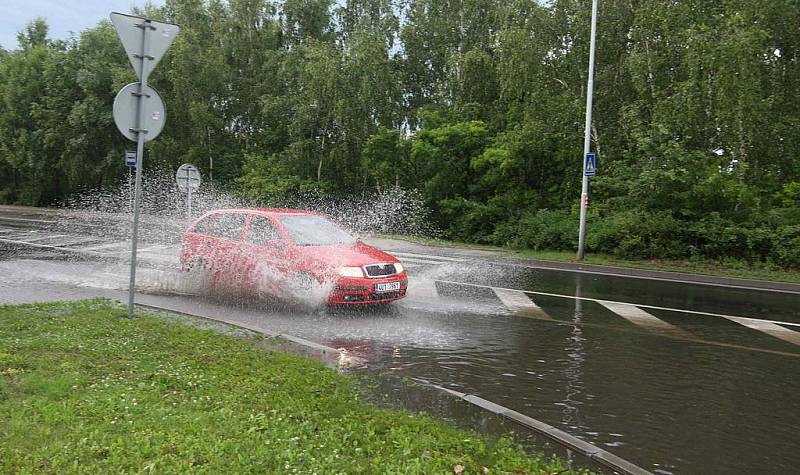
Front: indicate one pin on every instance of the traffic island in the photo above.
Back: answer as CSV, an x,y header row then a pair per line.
x,y
82,389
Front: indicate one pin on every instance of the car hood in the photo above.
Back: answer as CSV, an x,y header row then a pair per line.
x,y
342,255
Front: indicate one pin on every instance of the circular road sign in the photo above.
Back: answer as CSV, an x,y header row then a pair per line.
x,y
188,178
125,109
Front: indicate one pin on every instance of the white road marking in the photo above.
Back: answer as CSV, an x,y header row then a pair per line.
x,y
654,307
56,248
520,304
402,255
423,289
411,260
41,237
6,218
110,245
639,317
769,328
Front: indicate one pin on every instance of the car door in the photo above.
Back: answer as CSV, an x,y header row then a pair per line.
x,y
227,233
262,255
196,243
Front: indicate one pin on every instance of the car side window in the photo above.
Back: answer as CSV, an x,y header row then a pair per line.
x,y
261,231
228,226
204,226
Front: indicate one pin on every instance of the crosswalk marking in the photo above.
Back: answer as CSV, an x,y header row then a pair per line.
x,y
404,255
45,237
423,289
109,245
769,328
639,317
411,260
521,304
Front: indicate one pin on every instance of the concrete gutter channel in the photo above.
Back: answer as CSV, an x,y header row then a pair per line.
x,y
331,357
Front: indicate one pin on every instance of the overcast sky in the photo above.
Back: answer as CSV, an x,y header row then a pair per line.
x,y
63,16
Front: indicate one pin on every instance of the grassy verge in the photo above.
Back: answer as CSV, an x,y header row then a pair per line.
x,y
83,390
724,268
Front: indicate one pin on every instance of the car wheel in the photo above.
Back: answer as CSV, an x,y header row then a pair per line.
x,y
304,289
198,275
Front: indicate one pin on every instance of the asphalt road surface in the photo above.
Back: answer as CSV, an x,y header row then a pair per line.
x,y
677,377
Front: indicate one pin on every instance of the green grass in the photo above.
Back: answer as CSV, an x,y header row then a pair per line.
x,y
736,268
84,390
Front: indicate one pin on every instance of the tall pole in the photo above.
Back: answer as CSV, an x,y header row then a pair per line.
x,y
140,132
587,136
189,193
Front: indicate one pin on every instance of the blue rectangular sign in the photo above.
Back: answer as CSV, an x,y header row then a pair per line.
x,y
590,164
130,158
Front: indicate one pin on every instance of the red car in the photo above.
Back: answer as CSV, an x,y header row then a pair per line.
x,y
290,253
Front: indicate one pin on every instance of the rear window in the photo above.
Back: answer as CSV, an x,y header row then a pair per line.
x,y
312,230
228,226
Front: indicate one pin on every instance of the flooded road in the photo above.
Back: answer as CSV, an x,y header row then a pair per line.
x,y
689,379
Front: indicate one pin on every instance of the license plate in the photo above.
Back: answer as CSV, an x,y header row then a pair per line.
x,y
387,287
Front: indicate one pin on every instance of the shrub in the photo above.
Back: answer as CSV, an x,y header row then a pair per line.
x,y
547,229
637,234
470,221
786,245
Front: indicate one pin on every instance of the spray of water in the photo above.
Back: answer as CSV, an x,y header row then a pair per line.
x,y
164,216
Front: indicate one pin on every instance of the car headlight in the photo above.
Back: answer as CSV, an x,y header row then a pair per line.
x,y
398,267
351,272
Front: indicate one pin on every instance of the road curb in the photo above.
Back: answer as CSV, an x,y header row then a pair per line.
x,y
667,276
603,457
331,357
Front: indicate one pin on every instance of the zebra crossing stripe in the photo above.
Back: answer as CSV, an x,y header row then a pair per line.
x,y
520,304
412,260
46,237
769,328
404,255
639,317
424,289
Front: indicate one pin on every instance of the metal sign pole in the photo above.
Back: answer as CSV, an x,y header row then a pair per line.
x,y
130,189
189,192
587,136
146,27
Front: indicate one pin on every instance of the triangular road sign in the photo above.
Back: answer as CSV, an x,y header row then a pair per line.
x,y
160,36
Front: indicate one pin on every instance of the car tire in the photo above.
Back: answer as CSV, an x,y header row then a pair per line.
x,y
302,288
198,275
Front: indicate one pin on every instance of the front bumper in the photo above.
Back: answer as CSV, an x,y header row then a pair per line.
x,y
361,290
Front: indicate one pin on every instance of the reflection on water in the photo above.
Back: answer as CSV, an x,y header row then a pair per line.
x,y
573,372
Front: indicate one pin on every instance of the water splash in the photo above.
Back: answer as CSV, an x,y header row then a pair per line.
x,y
164,216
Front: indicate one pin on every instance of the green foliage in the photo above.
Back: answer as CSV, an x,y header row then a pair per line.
x,y
546,229
84,390
477,104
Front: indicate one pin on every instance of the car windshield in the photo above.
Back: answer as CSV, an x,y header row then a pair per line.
x,y
311,230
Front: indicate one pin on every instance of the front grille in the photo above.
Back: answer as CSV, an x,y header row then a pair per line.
x,y
380,270
386,295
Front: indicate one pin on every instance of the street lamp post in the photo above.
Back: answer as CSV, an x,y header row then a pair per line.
x,y
587,137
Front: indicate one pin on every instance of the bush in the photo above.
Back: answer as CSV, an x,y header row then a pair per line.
x,y
547,229
786,246
470,221
637,234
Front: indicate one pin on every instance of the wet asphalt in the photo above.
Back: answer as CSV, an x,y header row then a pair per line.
x,y
696,392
